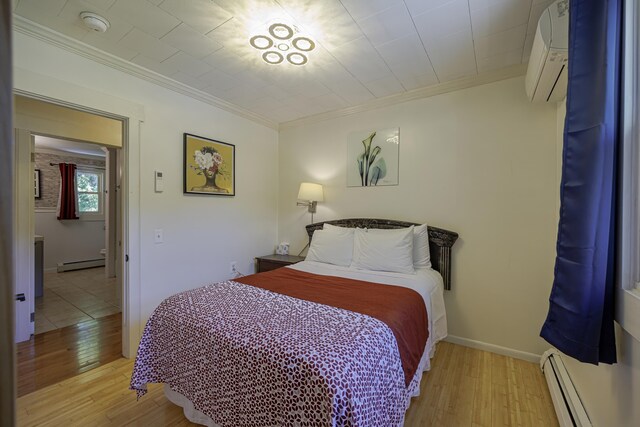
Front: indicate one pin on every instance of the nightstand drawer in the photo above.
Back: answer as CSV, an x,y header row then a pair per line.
x,y
264,265
271,262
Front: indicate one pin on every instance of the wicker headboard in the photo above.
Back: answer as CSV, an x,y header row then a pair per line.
x,y
440,240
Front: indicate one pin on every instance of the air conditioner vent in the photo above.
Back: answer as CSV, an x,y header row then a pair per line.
x,y
546,79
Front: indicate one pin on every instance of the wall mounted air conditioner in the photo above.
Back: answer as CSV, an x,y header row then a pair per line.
x,y
546,78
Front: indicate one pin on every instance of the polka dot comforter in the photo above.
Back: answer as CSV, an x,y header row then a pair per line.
x,y
246,356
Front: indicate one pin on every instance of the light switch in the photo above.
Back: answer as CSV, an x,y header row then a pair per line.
x,y
158,235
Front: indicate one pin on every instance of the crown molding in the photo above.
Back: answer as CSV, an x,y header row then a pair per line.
x,y
40,32
424,92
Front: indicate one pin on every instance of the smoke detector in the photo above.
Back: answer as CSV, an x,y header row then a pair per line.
x,y
95,22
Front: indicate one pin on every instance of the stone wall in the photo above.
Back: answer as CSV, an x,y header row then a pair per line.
x,y
50,175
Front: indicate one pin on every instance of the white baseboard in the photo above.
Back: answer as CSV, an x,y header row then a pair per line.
x,y
517,354
80,265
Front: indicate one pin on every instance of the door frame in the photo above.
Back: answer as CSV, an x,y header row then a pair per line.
x,y
112,215
23,222
33,85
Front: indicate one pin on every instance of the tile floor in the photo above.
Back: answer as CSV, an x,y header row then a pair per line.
x,y
73,297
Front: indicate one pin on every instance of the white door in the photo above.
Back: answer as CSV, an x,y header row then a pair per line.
x,y
24,234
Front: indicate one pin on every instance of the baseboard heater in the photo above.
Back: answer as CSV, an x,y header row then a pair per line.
x,y
79,265
567,403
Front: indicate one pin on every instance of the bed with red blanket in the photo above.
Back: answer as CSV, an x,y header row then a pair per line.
x,y
311,345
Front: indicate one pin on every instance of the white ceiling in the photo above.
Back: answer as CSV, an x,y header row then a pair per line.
x,y
366,49
73,147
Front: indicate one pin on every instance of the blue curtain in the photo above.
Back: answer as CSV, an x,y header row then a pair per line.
x,y
580,318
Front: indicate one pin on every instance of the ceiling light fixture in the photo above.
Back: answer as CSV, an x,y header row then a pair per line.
x,y
284,38
297,58
281,31
95,22
261,42
304,44
272,57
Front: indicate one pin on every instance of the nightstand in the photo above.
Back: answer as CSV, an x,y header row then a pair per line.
x,y
271,262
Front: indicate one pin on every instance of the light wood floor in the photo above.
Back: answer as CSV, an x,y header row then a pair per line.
x,y
54,356
469,387
465,387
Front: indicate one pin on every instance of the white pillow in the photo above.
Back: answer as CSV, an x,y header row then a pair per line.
x,y
421,254
331,247
337,229
384,250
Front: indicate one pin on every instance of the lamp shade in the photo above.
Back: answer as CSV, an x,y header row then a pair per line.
x,y
311,192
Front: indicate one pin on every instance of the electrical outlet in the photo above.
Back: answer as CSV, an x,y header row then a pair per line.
x,y
233,267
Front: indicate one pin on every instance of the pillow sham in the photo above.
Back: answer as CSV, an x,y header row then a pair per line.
x,y
331,247
421,254
384,250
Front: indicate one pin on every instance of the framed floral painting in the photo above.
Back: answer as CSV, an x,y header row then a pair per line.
x,y
209,166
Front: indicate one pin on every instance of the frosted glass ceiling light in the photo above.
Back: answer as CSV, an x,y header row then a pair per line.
x,y
297,58
283,38
272,57
304,44
261,42
281,31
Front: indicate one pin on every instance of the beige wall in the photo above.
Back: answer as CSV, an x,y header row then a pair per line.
x,y
610,393
68,241
49,119
480,161
202,234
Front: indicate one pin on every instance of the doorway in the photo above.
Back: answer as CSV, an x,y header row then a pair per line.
x,y
72,281
33,85
72,289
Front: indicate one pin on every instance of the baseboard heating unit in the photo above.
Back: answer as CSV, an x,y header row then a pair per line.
x,y
567,403
79,265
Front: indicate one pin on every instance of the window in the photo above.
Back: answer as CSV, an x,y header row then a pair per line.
x,y
89,191
628,290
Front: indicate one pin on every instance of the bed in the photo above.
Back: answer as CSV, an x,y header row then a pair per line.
x,y
310,344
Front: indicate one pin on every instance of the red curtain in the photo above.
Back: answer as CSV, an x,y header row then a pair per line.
x,y
67,199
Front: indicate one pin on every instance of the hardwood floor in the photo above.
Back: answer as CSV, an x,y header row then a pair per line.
x,y
54,356
469,387
465,387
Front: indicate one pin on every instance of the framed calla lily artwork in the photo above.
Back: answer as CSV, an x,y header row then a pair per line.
x,y
209,166
373,158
